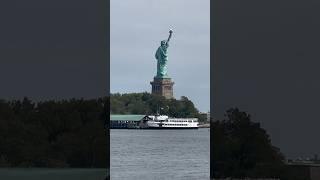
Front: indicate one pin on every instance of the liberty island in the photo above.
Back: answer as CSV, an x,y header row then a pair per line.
x,y
155,114
157,149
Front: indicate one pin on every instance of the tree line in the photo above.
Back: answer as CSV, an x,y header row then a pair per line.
x,y
64,133
146,103
241,149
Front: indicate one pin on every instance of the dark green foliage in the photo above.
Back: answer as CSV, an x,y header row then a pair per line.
x,y
241,148
146,103
66,133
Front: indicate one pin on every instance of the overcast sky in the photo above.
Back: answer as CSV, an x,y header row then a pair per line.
x,y
137,27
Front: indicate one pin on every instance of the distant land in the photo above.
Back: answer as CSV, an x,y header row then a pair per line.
x,y
146,103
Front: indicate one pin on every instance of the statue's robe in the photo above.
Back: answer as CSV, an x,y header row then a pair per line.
x,y
162,57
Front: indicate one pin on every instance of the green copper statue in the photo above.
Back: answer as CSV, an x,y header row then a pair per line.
x,y
162,58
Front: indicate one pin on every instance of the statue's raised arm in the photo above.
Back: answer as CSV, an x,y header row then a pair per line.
x,y
162,57
170,34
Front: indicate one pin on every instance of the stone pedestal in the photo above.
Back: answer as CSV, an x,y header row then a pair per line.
x,y
163,87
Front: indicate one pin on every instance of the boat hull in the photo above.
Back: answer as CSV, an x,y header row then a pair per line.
x,y
171,128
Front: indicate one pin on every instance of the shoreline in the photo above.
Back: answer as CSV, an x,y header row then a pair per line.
x,y
206,125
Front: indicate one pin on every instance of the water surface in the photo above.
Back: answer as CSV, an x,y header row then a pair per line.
x,y
159,154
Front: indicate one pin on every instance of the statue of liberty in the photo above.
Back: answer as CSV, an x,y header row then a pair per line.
x,y
162,58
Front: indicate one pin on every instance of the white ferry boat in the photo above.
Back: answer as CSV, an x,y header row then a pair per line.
x,y
164,122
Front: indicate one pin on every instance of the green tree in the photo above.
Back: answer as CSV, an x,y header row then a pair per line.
x,y
146,103
241,148
65,133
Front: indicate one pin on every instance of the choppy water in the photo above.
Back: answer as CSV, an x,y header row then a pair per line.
x,y
159,154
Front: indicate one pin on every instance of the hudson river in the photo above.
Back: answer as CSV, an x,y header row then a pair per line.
x,y
159,154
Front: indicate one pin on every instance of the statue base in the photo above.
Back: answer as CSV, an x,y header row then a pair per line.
x,y
163,87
